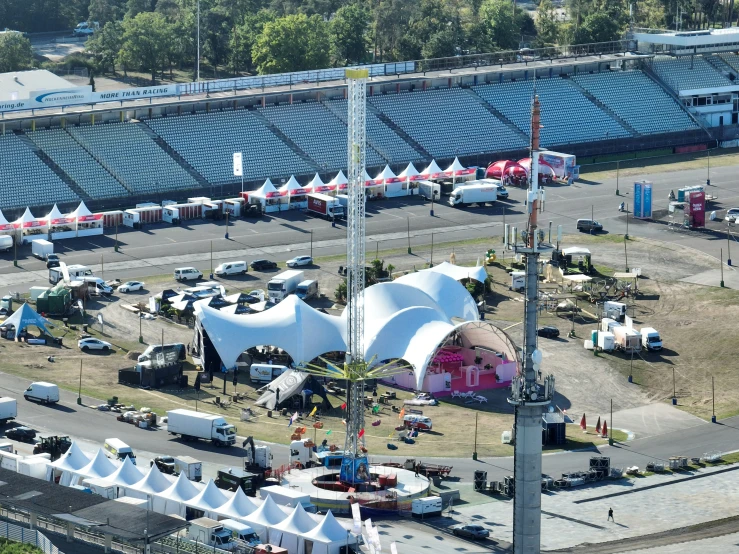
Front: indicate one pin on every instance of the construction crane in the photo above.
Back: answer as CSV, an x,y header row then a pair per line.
x,y
530,394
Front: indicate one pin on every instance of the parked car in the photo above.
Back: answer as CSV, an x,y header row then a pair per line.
x,y
732,214
93,344
470,531
52,260
589,226
548,331
165,464
299,261
261,265
22,434
130,286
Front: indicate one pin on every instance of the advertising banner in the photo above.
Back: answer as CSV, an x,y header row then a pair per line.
x,y
66,97
647,201
355,470
697,209
134,93
238,164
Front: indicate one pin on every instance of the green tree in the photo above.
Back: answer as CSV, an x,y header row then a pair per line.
x,y
392,19
292,43
147,40
547,28
244,37
597,27
498,23
348,34
650,14
104,11
441,44
135,7
16,52
105,45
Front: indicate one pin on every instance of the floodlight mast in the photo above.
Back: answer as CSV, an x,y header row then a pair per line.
x,y
355,260
529,393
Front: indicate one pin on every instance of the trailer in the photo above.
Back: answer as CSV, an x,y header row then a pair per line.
x,y
112,219
197,425
427,470
8,409
473,194
564,165
41,248
628,340
175,213
325,206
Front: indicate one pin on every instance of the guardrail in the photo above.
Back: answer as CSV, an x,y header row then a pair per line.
x,y
27,536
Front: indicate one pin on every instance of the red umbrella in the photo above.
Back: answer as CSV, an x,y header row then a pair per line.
x,y
597,426
605,429
583,423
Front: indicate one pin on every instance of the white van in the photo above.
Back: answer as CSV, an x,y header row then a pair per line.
x,y
241,531
187,273
231,268
264,373
48,393
118,450
307,289
97,287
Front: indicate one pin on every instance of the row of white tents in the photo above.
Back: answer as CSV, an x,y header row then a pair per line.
x,y
285,526
79,223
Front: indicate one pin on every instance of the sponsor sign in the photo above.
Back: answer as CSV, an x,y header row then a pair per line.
x,y
134,93
238,164
697,208
91,217
65,97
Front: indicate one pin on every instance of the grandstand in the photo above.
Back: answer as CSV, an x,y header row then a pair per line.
x,y
184,147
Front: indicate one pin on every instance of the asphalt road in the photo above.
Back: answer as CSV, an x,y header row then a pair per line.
x,y
81,422
160,248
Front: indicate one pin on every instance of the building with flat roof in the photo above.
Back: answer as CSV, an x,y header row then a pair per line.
x,y
18,85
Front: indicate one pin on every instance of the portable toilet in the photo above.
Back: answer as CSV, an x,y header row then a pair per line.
x,y
606,341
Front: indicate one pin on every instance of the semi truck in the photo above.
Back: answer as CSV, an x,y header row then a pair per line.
x,y
197,425
284,284
325,206
8,409
473,194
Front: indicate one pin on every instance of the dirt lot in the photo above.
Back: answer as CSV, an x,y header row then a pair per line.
x,y
679,311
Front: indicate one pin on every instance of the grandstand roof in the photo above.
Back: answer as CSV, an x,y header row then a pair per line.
x,y
17,85
705,37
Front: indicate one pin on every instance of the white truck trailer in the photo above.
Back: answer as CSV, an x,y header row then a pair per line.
x,y
192,425
41,248
8,409
473,194
284,284
324,205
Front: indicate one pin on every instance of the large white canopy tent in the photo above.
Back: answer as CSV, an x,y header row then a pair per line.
x,y
451,296
268,196
432,171
328,537
126,475
154,483
237,507
458,272
208,500
100,467
68,464
265,517
303,332
171,501
339,182
287,533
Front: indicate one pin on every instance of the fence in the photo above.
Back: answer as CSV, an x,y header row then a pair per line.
x,y
27,536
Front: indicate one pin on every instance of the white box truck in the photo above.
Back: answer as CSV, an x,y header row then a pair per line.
x,y
209,532
324,205
614,310
284,284
8,409
192,425
192,468
241,532
564,165
518,280
307,289
41,248
627,339
431,506
426,189
650,338
288,497
606,341
473,194
75,272
6,242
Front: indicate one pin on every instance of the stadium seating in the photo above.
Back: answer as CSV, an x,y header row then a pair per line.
x,y
77,163
680,75
131,154
25,180
448,122
208,140
381,137
731,59
567,116
638,100
317,132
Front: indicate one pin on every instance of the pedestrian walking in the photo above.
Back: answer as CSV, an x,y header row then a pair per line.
x,y
610,515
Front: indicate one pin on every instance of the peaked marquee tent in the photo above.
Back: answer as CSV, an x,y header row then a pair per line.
x,y
237,507
24,316
339,182
69,464
126,475
171,501
328,537
154,483
100,467
208,500
287,533
266,516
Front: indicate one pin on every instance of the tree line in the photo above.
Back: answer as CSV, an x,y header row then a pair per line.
x,y
273,36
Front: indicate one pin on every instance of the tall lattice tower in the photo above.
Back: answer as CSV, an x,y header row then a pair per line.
x,y
530,394
355,262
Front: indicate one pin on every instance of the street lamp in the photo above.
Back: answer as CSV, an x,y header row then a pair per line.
x,y
227,213
79,390
197,73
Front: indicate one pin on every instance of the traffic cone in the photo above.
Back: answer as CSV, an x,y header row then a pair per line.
x,y
605,429
583,423
597,426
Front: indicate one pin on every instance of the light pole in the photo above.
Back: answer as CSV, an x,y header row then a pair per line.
x,y
626,256
631,369
728,244
713,401
197,72
722,268
626,236
211,259
431,263
141,336
674,392
102,266
617,171
433,193
708,167
474,452
15,251
79,390
227,214
116,236
409,233
311,243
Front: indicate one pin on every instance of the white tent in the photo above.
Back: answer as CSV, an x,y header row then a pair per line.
x,y
27,222
303,332
237,507
100,467
338,182
368,181
69,464
289,384
87,223
171,501
263,518
448,293
4,224
456,168
393,184
328,537
287,533
410,173
208,500
126,475
291,187
54,215
266,195
458,272
154,483
432,171
316,184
